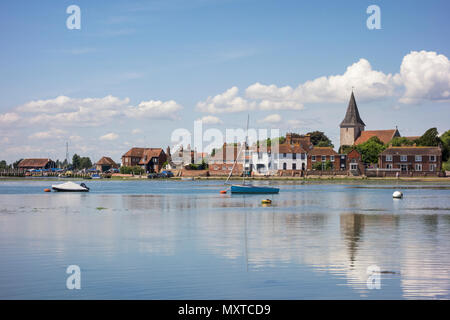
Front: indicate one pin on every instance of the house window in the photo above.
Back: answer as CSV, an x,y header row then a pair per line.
x,y
418,158
331,158
433,158
294,156
389,166
324,158
313,158
404,167
403,158
418,167
389,157
432,167
284,166
294,166
353,166
302,155
284,155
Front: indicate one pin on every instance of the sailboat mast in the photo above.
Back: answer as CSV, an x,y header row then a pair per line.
x,y
245,150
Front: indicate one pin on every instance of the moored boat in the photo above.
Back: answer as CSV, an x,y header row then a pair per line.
x,y
249,188
70,187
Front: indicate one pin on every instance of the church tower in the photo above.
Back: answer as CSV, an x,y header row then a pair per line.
x,y
352,125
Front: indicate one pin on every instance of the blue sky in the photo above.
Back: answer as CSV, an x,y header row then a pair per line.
x,y
183,52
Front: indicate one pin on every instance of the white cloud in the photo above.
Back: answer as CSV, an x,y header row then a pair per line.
x,y
273,118
425,76
50,134
155,109
109,136
210,120
228,101
369,83
8,118
136,131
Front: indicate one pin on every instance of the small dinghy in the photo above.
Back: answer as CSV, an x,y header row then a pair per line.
x,y
70,187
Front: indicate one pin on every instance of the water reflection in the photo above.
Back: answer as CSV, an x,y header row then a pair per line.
x,y
310,233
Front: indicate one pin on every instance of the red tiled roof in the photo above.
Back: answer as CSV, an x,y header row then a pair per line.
x,y
106,161
34,163
384,135
288,148
323,151
134,152
150,153
413,151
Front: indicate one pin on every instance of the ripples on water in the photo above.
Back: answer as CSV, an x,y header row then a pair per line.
x,y
184,240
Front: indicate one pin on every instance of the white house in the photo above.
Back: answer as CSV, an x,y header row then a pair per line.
x,y
267,161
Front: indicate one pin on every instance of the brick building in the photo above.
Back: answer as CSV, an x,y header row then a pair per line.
x,y
411,159
150,159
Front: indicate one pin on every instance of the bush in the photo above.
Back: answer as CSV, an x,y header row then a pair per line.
x,y
131,170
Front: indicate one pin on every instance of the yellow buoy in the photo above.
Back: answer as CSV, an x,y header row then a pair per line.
x,y
266,201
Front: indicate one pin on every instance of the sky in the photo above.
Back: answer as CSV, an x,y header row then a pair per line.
x,y
136,71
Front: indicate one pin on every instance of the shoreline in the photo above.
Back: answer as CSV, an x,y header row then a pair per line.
x,y
329,179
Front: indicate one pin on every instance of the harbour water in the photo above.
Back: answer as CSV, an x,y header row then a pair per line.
x,y
184,240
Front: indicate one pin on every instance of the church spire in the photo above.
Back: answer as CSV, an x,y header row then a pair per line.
x,y
352,118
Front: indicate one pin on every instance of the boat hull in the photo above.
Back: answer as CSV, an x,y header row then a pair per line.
x,y
253,189
67,190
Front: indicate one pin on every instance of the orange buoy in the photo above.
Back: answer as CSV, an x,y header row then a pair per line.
x,y
223,191
47,190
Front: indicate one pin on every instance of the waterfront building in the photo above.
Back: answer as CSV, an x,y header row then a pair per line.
x,y
411,159
221,162
36,164
105,164
322,155
150,159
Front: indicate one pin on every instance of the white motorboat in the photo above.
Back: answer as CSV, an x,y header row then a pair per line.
x,y
70,187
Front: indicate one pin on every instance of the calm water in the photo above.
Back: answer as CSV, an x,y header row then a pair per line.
x,y
184,240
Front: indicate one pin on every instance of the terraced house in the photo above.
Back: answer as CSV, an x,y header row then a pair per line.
x,y
413,160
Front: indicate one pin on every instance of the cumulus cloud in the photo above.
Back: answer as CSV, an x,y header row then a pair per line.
x,y
272,119
210,120
425,76
155,109
136,131
109,136
228,101
371,85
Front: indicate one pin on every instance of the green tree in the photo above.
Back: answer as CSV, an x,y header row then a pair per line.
x,y
317,165
430,138
3,165
445,138
85,163
401,141
213,152
345,149
16,164
370,150
76,161
318,138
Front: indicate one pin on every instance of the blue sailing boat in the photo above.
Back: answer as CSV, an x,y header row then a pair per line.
x,y
248,188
